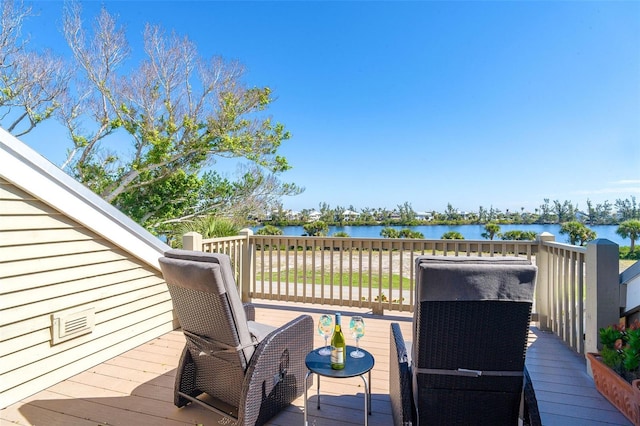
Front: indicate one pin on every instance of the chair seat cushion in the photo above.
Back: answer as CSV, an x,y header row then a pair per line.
x,y
259,331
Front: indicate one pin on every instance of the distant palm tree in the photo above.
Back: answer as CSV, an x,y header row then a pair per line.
x,y
491,229
578,232
630,229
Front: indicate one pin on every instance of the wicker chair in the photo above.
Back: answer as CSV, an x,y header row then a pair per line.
x,y
470,328
250,370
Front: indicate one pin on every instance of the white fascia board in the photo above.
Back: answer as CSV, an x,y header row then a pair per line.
x,y
30,171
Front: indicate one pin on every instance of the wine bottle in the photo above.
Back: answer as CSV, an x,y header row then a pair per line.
x,y
338,346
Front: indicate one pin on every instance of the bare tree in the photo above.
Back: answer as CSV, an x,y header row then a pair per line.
x,y
32,84
176,111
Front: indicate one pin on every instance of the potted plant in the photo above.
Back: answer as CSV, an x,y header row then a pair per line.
x,y
616,369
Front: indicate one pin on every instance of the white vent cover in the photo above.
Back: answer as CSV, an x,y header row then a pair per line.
x,y
66,325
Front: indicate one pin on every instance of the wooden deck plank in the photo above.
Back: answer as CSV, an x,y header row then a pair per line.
x,y
137,386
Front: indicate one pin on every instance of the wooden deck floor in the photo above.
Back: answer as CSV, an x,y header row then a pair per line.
x,y
136,388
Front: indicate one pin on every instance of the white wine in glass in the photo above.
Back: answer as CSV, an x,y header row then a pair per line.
x,y
325,327
356,325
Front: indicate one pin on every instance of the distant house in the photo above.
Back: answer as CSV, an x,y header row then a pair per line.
x,y
80,280
426,216
314,215
349,215
292,215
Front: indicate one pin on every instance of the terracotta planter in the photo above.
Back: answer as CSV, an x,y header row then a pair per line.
x,y
623,395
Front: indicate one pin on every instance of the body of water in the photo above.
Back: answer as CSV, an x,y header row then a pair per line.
x,y
470,232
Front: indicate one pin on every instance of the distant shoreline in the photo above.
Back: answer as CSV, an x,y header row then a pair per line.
x,y
469,231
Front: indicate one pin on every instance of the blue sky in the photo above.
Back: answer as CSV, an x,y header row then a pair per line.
x,y
496,104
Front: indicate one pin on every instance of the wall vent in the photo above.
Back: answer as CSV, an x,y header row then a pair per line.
x,y
66,325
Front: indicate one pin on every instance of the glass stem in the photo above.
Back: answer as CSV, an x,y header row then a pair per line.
x,y
358,344
326,345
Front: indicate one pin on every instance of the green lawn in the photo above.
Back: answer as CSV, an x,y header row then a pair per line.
x,y
327,278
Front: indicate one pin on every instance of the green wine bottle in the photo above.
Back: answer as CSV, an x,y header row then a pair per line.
x,y
338,346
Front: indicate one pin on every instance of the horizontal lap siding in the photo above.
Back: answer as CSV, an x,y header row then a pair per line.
x,y
49,263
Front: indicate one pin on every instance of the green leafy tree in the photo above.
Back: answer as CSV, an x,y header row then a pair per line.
x,y
482,215
493,214
545,212
366,214
578,233
316,229
599,214
628,209
490,230
452,235
326,213
389,232
565,212
630,229
406,212
179,113
451,213
269,230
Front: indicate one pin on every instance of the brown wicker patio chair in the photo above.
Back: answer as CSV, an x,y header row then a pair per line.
x,y
250,370
466,361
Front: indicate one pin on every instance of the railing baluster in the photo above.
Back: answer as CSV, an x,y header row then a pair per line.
x,y
580,307
360,250
303,258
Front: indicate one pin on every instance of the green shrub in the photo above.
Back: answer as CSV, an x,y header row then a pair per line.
x,y
269,230
625,253
452,235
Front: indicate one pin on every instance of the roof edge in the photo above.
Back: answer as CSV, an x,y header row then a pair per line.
x,y
33,173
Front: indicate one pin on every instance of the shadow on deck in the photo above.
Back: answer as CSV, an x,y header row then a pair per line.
x,y
136,388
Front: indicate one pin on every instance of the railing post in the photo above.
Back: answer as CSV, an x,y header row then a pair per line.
x,y
192,241
602,303
542,283
247,262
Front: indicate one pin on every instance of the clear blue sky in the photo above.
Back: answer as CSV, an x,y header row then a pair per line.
x,y
496,104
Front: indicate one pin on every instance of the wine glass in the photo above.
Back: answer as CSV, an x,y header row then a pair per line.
x,y
325,326
356,325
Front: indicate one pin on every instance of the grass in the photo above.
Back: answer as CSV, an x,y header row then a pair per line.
x,y
311,277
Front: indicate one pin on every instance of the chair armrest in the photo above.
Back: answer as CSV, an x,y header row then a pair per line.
x,y
276,373
400,379
249,311
531,412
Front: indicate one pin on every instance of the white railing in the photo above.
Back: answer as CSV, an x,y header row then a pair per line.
x,y
562,268
577,290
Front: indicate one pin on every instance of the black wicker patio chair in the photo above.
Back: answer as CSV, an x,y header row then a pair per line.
x,y
465,364
250,370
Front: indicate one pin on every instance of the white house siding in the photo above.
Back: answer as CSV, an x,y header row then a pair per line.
x,y
50,263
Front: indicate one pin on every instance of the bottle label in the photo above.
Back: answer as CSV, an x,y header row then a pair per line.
x,y
337,355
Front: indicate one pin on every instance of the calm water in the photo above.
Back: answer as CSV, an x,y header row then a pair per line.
x,y
470,232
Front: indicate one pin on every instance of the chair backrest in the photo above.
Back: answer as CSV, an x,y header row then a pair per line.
x,y
470,333
207,302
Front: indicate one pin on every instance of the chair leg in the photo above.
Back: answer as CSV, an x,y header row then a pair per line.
x,y
531,412
185,379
